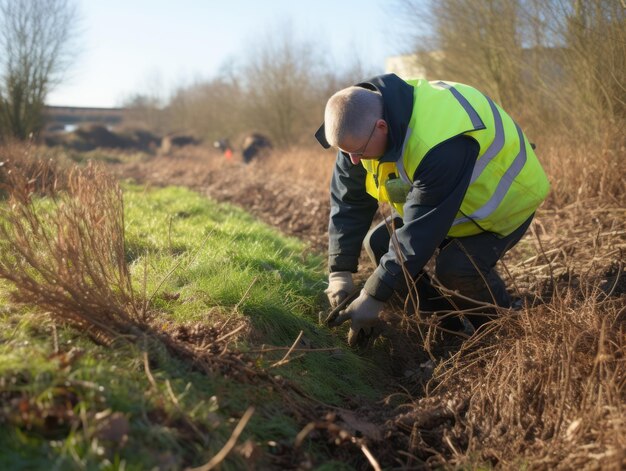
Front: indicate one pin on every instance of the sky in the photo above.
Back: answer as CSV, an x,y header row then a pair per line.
x,y
126,47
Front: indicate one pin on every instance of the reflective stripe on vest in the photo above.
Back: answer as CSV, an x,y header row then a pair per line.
x,y
507,182
495,147
469,109
400,162
503,185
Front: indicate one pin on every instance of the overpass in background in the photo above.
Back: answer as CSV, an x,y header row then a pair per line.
x,y
64,117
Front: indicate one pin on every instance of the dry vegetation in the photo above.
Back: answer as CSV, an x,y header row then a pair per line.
x,y
68,259
542,388
66,256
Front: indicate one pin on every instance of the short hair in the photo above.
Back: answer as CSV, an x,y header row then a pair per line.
x,y
351,112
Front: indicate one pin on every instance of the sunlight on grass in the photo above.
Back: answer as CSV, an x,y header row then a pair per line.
x,y
72,403
232,260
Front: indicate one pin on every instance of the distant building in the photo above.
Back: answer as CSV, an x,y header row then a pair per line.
x,y
69,117
413,65
547,61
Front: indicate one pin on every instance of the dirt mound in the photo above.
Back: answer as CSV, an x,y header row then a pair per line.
x,y
95,136
173,141
89,138
99,136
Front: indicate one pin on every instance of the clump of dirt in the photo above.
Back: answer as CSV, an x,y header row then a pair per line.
x,y
95,136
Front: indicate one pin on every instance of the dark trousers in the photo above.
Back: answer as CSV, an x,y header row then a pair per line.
x,y
463,264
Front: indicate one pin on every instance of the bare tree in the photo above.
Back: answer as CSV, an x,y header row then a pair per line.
x,y
282,79
278,87
548,61
474,42
146,111
212,110
34,50
595,34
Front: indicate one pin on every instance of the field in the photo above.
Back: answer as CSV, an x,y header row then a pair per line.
x,y
163,312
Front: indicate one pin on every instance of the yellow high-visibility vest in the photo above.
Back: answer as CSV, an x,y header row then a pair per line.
x,y
508,183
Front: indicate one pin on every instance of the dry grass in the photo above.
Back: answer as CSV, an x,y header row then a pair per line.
x,y
44,174
544,387
541,388
65,254
580,171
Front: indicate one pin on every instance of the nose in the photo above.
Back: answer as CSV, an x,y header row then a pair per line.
x,y
355,159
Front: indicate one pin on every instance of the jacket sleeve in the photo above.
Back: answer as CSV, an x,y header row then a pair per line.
x,y
352,210
439,186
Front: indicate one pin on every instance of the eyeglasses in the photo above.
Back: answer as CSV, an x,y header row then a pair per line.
x,y
361,153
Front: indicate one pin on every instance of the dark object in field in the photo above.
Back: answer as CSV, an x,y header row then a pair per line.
x,y
169,142
253,145
95,136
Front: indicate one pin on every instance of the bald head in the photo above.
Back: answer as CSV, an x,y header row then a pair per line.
x,y
351,113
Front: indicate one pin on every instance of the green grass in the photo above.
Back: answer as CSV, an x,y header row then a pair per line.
x,y
202,260
221,253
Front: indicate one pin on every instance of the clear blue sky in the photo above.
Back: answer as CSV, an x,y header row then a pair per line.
x,y
153,46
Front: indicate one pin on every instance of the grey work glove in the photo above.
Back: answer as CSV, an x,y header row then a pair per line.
x,y
363,312
340,285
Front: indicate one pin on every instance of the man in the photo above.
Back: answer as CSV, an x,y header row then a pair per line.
x,y
223,145
457,170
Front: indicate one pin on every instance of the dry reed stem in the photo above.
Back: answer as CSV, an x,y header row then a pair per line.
x,y
66,253
229,445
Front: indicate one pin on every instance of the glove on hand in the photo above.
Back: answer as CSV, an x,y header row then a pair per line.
x,y
363,312
340,285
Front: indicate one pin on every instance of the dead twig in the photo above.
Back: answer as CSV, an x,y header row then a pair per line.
x,y
370,457
284,359
229,445
243,298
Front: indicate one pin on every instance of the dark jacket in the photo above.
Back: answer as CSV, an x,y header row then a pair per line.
x,y
439,185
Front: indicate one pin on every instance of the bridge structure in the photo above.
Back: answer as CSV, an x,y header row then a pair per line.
x,y
65,117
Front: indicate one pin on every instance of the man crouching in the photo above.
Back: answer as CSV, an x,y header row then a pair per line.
x,y
460,176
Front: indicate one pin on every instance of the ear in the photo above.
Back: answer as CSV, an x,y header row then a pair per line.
x,y
382,125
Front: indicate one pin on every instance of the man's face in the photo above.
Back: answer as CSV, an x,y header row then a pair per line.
x,y
372,148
